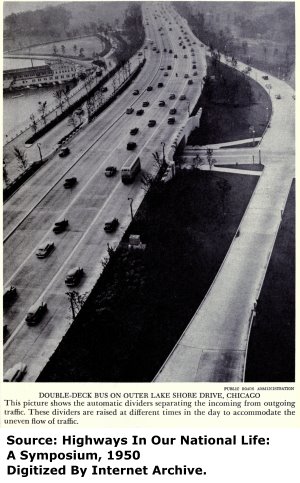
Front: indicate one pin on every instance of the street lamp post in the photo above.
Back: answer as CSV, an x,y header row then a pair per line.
x,y
188,104
163,145
39,148
252,131
131,201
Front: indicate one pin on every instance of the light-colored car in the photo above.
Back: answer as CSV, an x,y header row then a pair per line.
x,y
277,96
15,373
45,249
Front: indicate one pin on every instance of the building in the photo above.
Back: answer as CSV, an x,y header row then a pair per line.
x,y
42,75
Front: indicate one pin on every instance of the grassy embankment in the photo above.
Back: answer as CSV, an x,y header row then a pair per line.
x,y
144,299
271,353
232,102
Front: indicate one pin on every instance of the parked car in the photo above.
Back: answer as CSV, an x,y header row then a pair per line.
x,y
186,76
136,92
277,96
160,84
169,67
70,182
170,51
131,145
175,56
36,313
45,250
145,104
140,112
149,88
64,152
9,295
129,110
182,97
172,96
111,226
74,276
60,226
190,82
265,77
151,123
166,74
171,120
161,103
104,89
134,131
173,111
185,56
15,373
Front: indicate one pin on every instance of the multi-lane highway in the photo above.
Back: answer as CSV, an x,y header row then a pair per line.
x,y
29,215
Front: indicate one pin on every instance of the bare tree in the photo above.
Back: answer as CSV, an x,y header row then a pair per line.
x,y
5,174
21,157
77,301
58,95
157,161
147,180
42,109
114,84
72,121
34,124
75,49
197,161
210,160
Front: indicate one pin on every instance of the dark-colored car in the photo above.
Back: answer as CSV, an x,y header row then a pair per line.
x,y
152,123
134,131
166,74
110,171
70,182
60,226
172,111
140,112
172,96
195,73
104,89
149,88
194,66
64,152
9,295
171,120
160,84
169,67
129,110
265,77
186,76
136,92
161,103
175,56
190,82
182,97
145,104
74,276
15,373
111,226
170,51
131,145
36,313
45,250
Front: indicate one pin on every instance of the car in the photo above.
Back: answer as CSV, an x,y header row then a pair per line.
x,y
154,48
265,77
111,226
79,111
175,56
74,276
15,373
170,51
173,111
60,226
64,152
158,51
277,96
195,73
110,171
9,295
172,96
192,50
36,313
194,66
162,68
131,145
193,55
169,67
145,104
165,50
134,131
186,76
151,123
45,250
149,88
140,112
166,74
190,82
171,120
184,47
160,84
129,110
161,103
104,89
136,92
185,56
70,182
140,54
182,97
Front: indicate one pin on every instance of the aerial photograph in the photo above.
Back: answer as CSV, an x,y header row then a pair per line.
x,y
149,191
